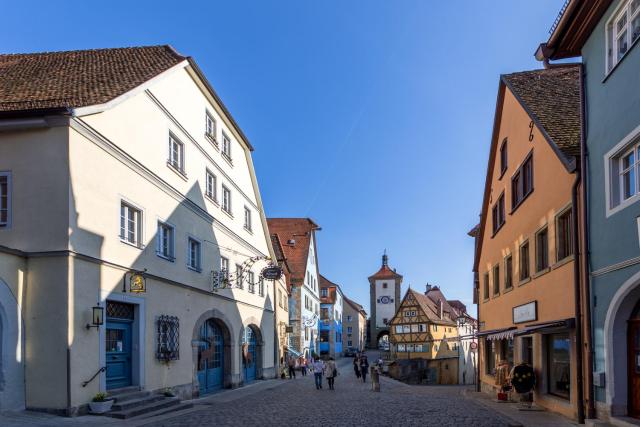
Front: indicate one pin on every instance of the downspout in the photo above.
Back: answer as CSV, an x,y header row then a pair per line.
x,y
585,248
578,301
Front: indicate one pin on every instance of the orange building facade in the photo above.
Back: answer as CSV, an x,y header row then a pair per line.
x,y
525,268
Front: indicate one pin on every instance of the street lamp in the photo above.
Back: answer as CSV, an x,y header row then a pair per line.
x,y
97,317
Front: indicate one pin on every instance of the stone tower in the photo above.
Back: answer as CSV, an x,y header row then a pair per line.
x,y
384,288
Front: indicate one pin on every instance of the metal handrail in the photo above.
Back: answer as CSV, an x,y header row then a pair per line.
x,y
84,383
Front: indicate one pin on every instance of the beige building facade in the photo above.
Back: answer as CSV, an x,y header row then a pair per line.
x,y
354,325
150,178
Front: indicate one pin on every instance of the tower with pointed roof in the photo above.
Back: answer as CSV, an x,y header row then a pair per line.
x,y
384,289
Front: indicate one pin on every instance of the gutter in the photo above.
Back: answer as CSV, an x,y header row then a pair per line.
x,y
578,300
585,249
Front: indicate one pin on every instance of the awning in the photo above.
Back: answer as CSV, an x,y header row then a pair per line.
x,y
548,326
498,334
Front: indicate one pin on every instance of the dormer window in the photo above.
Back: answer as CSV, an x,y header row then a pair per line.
x,y
622,31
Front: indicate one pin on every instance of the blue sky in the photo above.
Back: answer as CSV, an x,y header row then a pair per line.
x,y
371,117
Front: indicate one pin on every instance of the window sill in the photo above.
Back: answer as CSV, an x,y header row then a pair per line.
x,y
212,140
211,199
165,257
485,300
541,272
565,260
524,281
227,159
178,172
515,208
133,245
494,296
197,270
509,289
502,174
248,230
227,213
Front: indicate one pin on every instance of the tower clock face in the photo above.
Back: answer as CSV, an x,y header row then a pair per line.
x,y
385,300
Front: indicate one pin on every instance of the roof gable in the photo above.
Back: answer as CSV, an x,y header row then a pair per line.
x,y
296,235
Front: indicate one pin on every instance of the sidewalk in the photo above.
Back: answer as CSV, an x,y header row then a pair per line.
x,y
519,418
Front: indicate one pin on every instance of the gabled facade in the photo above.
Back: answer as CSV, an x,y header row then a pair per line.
x,y
525,259
143,173
331,309
605,35
384,290
299,245
354,325
282,294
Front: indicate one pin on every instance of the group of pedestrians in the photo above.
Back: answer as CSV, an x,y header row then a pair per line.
x,y
319,369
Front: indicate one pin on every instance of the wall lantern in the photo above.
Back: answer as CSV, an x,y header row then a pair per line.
x,y
97,317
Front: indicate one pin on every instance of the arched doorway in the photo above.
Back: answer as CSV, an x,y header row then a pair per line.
x,y
383,341
249,354
633,362
211,356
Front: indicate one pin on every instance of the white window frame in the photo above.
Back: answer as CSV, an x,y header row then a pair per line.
x,y
226,199
210,128
176,164
197,266
239,276
226,147
251,282
211,186
224,266
612,35
615,200
171,256
247,219
7,223
139,236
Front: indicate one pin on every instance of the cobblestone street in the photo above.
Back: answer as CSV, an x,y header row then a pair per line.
x,y
298,403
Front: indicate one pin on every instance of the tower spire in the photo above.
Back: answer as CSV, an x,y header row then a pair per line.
x,y
385,259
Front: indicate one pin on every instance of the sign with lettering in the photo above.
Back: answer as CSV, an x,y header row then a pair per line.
x,y
272,272
526,312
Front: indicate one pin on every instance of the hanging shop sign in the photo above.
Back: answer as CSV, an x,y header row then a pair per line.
x,y
272,272
309,321
526,312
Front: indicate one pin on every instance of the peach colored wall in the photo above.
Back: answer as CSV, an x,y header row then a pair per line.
x,y
553,290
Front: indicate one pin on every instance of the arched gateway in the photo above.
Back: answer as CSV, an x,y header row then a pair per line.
x,y
251,348
212,355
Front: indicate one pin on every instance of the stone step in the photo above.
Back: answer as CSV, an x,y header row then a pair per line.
x,y
171,410
142,409
132,395
121,405
123,390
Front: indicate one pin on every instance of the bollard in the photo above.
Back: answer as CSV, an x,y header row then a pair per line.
x,y
375,378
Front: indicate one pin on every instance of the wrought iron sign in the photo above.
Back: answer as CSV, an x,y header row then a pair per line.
x,y
223,279
137,281
310,321
271,272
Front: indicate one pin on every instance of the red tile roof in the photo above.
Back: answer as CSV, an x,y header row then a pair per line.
x,y
295,235
79,78
385,273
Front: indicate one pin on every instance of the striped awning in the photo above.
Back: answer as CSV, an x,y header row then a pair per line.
x,y
498,334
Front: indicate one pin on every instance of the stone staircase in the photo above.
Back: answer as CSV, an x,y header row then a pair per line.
x,y
132,402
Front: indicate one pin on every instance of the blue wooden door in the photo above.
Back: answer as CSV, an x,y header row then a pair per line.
x,y
118,346
210,358
249,354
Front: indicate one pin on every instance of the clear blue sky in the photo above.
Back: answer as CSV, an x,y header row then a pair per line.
x,y
371,117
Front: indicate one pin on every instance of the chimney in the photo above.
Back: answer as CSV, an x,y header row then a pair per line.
x,y
441,308
427,288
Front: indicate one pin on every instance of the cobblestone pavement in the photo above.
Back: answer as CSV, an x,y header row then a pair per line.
x,y
352,403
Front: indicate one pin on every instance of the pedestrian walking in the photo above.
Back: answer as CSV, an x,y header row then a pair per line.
x,y
356,366
331,372
292,367
318,369
364,367
303,366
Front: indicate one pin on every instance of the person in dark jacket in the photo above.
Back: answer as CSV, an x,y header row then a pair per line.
x,y
364,367
356,366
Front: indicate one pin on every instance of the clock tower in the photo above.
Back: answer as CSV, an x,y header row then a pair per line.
x,y
384,288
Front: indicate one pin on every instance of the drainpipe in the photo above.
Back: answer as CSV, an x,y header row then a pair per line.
x,y
578,301
585,248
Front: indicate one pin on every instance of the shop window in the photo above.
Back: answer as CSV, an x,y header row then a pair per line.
x,y
527,350
490,357
558,365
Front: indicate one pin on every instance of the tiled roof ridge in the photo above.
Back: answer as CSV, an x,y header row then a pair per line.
x,y
94,50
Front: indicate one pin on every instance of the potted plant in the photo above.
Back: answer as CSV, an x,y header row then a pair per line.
x,y
168,392
100,403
